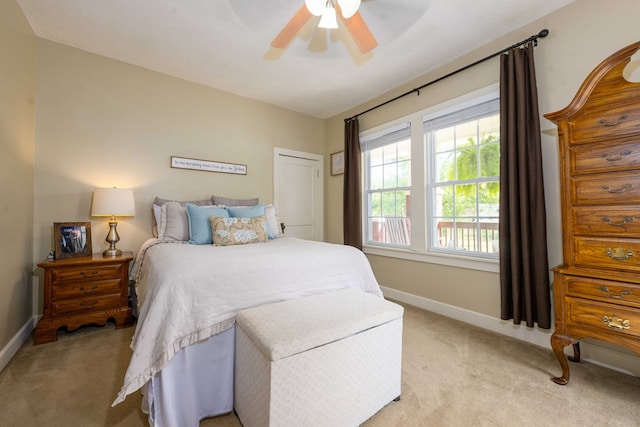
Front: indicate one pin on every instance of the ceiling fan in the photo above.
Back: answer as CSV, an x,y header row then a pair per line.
x,y
328,10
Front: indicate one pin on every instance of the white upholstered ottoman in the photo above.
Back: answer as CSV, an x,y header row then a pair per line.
x,y
332,359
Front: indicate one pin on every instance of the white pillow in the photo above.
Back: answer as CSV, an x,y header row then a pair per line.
x,y
273,219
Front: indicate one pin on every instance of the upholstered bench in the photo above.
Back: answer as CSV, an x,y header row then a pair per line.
x,y
331,359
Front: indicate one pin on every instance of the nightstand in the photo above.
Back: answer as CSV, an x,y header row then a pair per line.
x,y
84,290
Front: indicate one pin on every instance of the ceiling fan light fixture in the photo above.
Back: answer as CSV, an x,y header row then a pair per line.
x,y
328,19
316,7
349,7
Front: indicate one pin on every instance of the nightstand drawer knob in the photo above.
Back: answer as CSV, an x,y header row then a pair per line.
x,y
616,323
88,304
93,273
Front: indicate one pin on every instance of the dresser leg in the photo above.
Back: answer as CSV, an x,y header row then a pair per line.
x,y
558,343
576,353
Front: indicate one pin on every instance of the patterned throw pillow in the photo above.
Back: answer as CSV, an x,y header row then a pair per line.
x,y
238,231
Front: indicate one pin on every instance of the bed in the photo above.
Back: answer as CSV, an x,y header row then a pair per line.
x,y
187,297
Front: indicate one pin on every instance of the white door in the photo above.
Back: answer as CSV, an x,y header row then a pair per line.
x,y
298,193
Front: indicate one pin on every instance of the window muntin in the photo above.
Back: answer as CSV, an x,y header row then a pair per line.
x,y
387,165
463,150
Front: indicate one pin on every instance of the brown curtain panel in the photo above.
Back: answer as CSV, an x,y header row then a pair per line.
x,y
352,210
524,270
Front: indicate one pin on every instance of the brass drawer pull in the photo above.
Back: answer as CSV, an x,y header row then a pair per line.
x,y
88,305
605,122
610,295
622,189
93,288
93,273
625,220
616,323
616,157
619,254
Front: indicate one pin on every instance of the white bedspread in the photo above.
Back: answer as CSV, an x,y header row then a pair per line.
x,y
187,293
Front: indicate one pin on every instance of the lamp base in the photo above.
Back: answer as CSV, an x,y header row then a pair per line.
x,y
111,253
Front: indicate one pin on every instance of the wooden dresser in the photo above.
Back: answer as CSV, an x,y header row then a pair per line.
x,y
84,290
597,288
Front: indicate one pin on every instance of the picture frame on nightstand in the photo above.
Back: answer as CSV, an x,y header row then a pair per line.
x,y
71,239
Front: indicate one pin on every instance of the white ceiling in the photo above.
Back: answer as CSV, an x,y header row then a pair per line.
x,y
225,44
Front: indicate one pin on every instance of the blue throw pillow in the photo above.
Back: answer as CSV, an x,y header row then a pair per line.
x,y
199,225
250,212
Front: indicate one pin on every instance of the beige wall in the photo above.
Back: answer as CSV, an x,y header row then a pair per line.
x,y
581,36
17,55
103,123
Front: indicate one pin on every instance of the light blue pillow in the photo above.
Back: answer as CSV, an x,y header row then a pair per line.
x,y
250,212
199,225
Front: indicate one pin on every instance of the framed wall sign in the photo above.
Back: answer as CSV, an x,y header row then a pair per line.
x,y
71,239
207,165
337,163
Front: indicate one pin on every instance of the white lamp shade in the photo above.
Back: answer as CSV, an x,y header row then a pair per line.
x,y
349,7
316,7
113,202
328,19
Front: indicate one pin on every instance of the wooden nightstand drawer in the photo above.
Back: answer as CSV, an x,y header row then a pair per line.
x,y
79,289
603,290
82,305
607,317
87,273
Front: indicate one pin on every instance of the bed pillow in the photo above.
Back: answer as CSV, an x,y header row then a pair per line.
x,y
273,221
238,231
199,225
157,210
251,212
225,201
174,223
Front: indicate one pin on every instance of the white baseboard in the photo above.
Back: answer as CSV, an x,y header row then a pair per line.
x,y
608,357
16,342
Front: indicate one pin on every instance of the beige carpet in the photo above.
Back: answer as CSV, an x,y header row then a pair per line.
x,y
453,375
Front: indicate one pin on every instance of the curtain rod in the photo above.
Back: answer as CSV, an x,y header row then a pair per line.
x,y
534,39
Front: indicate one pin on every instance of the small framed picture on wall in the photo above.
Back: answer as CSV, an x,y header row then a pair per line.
x,y
337,163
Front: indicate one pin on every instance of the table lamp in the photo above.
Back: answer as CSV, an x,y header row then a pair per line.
x,y
112,202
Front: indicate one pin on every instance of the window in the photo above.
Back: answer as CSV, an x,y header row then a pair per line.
x,y
463,193
387,162
432,194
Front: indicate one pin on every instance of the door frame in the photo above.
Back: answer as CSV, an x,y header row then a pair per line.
x,y
277,152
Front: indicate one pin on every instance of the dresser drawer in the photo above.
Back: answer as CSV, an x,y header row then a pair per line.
x,y
608,317
87,273
604,123
613,189
82,305
616,254
605,158
78,289
607,221
603,290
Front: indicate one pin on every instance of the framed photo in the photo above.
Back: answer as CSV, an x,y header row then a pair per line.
x,y
71,239
337,163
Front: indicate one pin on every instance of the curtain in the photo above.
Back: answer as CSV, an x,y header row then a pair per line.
x,y
524,270
352,210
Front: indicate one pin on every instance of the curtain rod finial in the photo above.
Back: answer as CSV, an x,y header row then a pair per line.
x,y
543,33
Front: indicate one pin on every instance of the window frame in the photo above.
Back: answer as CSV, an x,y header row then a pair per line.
x,y
420,177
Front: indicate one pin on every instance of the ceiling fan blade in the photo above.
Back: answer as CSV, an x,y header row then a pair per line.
x,y
360,32
292,28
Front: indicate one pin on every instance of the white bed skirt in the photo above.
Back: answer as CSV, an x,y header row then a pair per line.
x,y
197,384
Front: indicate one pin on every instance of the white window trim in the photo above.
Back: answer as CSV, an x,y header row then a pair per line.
x,y
418,251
